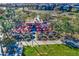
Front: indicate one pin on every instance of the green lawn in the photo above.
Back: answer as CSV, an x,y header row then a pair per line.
x,y
50,50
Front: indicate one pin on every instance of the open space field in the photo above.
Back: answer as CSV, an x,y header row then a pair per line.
x,y
50,50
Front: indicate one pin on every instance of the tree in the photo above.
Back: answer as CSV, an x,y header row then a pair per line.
x,y
75,24
7,25
63,25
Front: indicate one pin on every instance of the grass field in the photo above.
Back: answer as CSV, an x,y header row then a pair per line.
x,y
50,50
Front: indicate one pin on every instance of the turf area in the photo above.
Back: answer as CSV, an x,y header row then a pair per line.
x,y
50,50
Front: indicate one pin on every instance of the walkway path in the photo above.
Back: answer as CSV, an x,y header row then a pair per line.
x,y
41,42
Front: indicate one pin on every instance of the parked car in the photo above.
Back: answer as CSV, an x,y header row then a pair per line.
x,y
65,7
